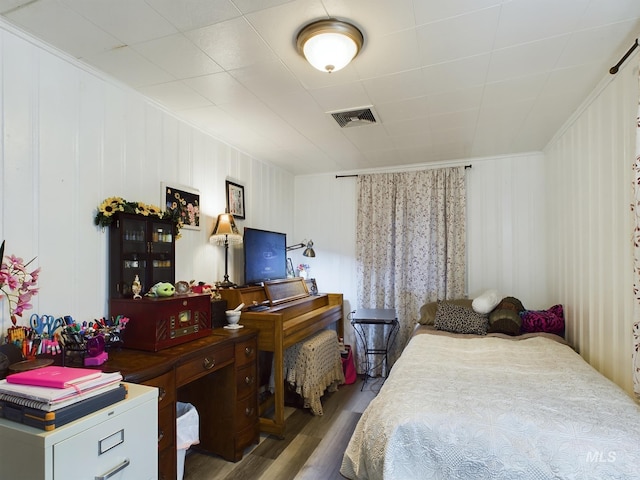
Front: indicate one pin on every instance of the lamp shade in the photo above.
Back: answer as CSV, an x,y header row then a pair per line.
x,y
309,251
329,45
308,248
225,230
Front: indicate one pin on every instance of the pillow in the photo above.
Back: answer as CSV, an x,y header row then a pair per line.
x,y
486,302
504,320
458,319
510,303
550,321
428,310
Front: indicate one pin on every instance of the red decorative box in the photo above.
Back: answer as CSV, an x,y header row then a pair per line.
x,y
156,323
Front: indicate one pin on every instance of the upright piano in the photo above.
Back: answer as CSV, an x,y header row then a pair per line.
x,y
284,313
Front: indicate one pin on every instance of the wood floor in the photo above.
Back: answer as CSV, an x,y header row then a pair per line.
x,y
311,449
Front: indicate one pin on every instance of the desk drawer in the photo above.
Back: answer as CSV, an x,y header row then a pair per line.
x,y
246,381
166,427
209,361
246,412
166,389
246,437
246,352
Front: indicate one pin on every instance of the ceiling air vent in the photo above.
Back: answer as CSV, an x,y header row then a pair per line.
x,y
355,118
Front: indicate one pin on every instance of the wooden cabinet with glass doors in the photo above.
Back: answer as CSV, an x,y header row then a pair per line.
x,y
142,247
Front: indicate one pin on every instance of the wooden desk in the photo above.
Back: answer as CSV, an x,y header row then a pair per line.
x,y
217,374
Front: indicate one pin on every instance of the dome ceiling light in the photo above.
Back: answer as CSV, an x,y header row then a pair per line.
x,y
329,45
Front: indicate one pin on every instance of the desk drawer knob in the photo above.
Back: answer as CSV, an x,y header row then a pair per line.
x,y
248,411
248,351
208,363
162,392
248,380
160,435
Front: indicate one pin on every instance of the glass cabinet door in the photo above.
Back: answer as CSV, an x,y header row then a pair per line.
x,y
140,250
134,254
161,253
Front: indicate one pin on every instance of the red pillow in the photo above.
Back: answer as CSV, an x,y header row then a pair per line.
x,y
550,321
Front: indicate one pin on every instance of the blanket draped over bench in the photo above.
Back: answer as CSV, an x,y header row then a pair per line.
x,y
313,367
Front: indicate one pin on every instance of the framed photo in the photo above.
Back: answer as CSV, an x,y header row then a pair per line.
x,y
185,200
235,199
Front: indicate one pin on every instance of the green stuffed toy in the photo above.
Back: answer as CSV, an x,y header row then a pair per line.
x,y
162,289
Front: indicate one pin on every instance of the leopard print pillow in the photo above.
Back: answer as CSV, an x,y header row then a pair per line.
x,y
457,319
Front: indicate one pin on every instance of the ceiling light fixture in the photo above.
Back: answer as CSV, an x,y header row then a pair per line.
x,y
329,45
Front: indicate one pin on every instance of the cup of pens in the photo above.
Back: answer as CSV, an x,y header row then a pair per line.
x,y
91,339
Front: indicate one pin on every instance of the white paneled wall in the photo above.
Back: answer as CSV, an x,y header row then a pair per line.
x,y
71,138
589,184
505,230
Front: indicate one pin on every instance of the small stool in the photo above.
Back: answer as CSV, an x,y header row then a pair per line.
x,y
313,366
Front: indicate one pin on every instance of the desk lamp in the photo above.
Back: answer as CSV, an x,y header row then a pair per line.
x,y
308,251
224,233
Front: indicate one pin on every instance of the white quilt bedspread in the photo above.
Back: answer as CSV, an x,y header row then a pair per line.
x,y
495,409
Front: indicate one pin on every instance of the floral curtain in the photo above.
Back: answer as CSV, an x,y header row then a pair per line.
x,y
410,248
636,261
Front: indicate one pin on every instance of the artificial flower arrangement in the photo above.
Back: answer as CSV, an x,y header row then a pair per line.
x,y
17,284
112,205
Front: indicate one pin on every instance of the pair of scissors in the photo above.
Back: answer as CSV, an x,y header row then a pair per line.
x,y
45,324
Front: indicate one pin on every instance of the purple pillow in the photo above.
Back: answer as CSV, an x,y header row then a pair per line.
x,y
550,321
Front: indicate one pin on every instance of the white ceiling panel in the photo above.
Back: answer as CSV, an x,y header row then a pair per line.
x,y
523,22
178,56
458,37
456,75
175,96
130,21
130,67
63,27
447,79
341,97
220,88
231,44
526,59
396,87
189,14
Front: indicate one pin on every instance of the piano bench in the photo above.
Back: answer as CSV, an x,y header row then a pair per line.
x,y
313,366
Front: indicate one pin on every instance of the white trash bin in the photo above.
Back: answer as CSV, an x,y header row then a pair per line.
x,y
187,433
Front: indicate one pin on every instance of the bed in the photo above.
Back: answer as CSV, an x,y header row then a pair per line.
x,y
498,407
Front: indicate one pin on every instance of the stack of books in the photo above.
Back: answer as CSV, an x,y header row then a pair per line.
x,y
52,396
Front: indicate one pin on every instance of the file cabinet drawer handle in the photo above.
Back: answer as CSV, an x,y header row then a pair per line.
x,y
114,470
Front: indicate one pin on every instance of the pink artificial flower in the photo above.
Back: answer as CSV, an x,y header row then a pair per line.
x,y
16,284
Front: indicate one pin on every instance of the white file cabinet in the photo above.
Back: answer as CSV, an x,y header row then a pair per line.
x,y
119,442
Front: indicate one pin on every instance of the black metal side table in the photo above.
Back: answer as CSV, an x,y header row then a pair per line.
x,y
380,317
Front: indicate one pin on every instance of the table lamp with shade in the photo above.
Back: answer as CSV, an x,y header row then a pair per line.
x,y
225,233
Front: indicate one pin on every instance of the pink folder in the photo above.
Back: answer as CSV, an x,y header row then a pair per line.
x,y
54,377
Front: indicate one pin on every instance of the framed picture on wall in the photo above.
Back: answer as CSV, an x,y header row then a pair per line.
x,y
235,199
185,201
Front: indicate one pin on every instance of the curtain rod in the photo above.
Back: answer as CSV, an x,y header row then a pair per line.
x,y
355,175
613,70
